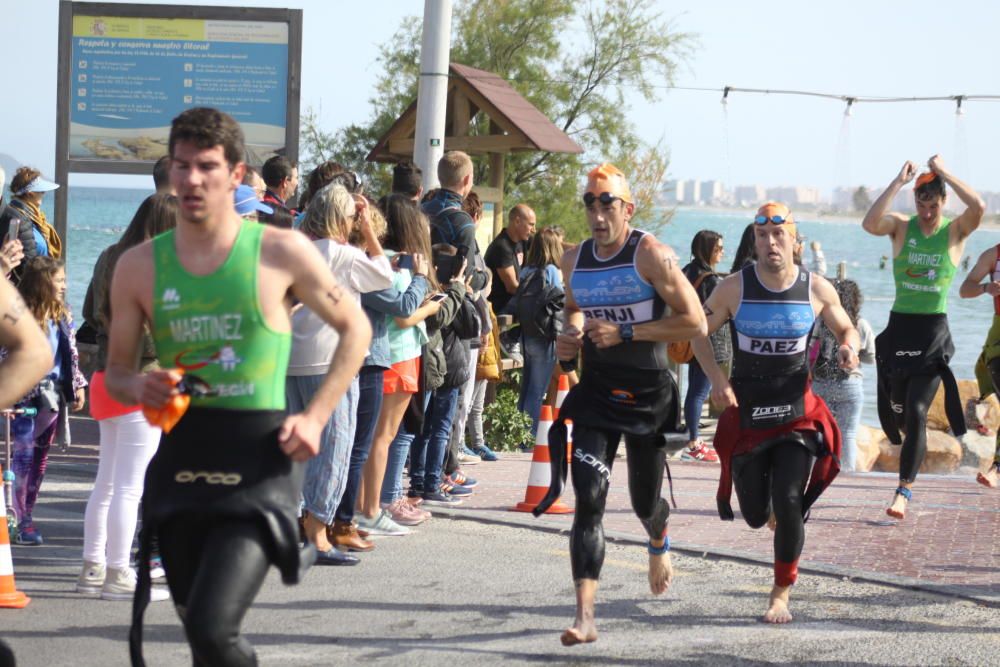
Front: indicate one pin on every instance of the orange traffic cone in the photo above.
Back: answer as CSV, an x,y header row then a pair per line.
x,y
10,597
541,472
562,390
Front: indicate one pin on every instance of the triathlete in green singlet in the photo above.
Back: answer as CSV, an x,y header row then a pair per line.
x,y
913,351
222,492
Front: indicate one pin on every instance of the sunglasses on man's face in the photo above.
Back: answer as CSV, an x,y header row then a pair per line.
x,y
606,198
776,219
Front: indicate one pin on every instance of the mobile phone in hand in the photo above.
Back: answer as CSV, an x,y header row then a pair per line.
x,y
439,297
405,262
14,229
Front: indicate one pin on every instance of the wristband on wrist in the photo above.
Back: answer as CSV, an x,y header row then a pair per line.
x,y
986,288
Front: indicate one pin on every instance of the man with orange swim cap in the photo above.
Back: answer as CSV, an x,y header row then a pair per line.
x,y
913,352
222,492
775,435
626,298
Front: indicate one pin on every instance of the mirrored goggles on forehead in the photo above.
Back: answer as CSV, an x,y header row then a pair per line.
x,y
605,198
776,219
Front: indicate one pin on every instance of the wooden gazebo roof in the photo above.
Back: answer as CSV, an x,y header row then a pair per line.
x,y
516,125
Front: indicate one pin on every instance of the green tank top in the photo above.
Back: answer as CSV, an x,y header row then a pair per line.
x,y
923,271
212,326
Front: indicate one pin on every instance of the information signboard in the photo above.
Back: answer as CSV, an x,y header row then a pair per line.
x,y
127,70
131,76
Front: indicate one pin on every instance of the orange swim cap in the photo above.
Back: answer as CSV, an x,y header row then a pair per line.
x,y
772,209
609,178
776,208
924,179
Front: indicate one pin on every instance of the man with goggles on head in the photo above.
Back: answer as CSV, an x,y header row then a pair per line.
x,y
775,434
913,352
626,298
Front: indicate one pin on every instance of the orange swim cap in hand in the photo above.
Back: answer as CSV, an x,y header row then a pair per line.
x,y
167,416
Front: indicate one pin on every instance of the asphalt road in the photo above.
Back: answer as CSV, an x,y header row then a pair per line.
x,y
460,592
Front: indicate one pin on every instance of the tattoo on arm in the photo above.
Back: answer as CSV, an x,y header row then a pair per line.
x,y
708,311
17,310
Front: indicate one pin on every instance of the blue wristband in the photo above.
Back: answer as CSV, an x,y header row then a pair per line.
x,y
659,551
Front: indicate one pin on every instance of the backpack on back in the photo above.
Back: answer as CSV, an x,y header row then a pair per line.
x,y
537,305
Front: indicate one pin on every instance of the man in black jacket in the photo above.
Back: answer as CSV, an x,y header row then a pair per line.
x,y
449,223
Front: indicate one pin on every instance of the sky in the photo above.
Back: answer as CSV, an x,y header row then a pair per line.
x,y
883,48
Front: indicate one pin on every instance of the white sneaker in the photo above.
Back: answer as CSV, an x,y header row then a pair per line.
x,y
156,572
467,457
91,578
382,525
120,585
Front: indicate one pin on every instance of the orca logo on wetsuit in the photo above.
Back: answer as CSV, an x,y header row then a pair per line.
x,y
909,353
212,478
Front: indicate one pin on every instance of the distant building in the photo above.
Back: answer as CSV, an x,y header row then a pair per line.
x,y
795,195
673,192
713,193
749,196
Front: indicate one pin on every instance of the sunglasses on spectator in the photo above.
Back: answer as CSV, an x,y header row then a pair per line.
x,y
776,219
606,198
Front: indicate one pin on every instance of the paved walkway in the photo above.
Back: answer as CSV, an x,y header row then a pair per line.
x,y
948,543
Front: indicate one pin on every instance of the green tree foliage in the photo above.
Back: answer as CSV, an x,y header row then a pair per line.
x,y
574,62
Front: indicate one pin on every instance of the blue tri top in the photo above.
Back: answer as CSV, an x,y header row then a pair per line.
x,y
611,289
771,329
770,332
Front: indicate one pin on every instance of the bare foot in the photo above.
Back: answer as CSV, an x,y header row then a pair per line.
x,y
777,610
990,478
579,634
584,629
661,573
772,522
898,508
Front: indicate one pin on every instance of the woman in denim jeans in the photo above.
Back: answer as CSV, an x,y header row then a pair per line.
x,y
332,213
843,390
706,252
539,352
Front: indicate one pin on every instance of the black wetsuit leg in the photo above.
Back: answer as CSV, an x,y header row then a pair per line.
x,y
775,478
915,393
593,454
646,457
215,570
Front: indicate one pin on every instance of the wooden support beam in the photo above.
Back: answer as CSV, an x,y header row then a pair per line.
x,y
474,145
496,182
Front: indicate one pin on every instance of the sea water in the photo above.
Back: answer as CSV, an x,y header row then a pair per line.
x,y
97,217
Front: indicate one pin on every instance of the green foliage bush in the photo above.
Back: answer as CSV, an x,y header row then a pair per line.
x,y
506,426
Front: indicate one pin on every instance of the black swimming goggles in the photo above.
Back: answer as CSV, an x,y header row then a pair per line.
x,y
606,198
776,219
194,386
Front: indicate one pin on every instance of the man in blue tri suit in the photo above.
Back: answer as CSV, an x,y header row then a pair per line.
x,y
777,441
626,298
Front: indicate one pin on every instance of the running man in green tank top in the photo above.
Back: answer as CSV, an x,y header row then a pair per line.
x,y
222,492
913,352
